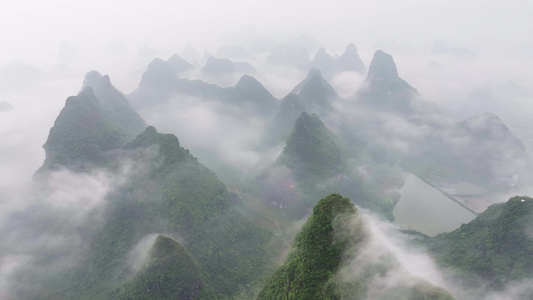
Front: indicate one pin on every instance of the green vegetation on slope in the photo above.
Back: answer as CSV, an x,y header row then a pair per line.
x,y
312,165
325,262
497,246
282,123
170,273
98,119
315,255
81,133
251,95
115,105
310,149
316,93
177,195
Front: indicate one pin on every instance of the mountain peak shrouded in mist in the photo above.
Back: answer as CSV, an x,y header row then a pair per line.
x,y
315,255
114,104
314,73
291,102
350,60
18,74
281,125
496,246
323,61
490,127
191,54
103,89
487,124
175,194
382,67
313,164
5,106
98,119
170,273
92,79
319,265
491,140
159,73
311,150
310,157
250,93
179,64
316,92
290,109
150,137
385,90
218,66
158,83
249,82
224,66
81,133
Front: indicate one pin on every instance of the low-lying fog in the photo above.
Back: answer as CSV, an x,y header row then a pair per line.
x,y
467,58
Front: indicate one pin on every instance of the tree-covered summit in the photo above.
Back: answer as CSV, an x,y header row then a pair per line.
x,y
81,134
316,93
310,149
315,255
329,259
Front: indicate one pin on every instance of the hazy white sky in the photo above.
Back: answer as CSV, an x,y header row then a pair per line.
x,y
32,28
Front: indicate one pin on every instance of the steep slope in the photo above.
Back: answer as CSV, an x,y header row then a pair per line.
x,y
81,134
316,93
350,60
177,195
315,255
169,273
165,190
190,54
280,126
158,83
114,104
312,165
311,150
302,171
324,62
251,95
405,128
492,150
218,66
179,64
331,238
385,90
97,120
497,246
489,127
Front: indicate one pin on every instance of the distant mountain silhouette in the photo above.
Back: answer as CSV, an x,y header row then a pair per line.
x,y
348,61
316,93
178,64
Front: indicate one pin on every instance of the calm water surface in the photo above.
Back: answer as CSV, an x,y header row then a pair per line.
x,y
425,209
